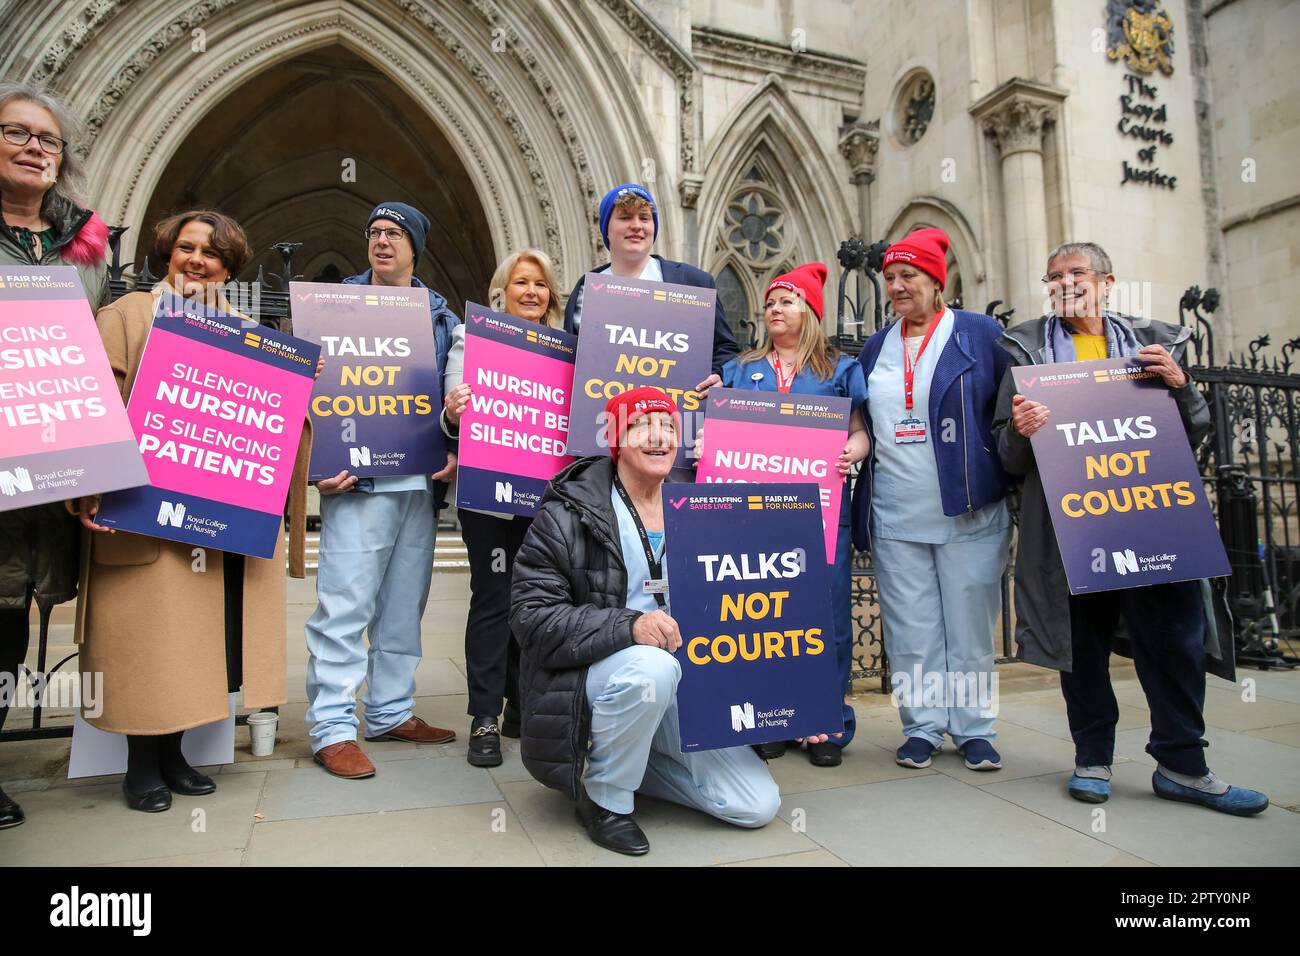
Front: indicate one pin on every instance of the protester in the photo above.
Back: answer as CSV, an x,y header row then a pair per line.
x,y
597,672
1167,624
629,224
930,505
376,558
523,286
796,356
44,222
172,633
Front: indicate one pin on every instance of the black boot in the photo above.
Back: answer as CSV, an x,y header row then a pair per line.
x,y
825,755
143,785
10,813
614,831
510,721
770,751
176,772
484,743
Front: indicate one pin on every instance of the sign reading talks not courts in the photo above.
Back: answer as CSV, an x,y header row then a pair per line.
x,y
513,431
766,436
65,429
751,594
635,332
376,405
218,411
1126,498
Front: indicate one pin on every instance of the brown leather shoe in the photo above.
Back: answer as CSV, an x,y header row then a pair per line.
x,y
416,731
345,759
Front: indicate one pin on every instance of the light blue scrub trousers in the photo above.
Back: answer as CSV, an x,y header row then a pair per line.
x,y
636,746
940,603
376,564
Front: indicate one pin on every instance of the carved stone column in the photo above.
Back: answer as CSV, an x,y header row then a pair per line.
x,y
859,143
1015,115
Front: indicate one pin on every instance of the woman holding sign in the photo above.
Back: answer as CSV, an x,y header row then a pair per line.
x,y
1168,628
797,357
523,286
174,628
44,223
931,507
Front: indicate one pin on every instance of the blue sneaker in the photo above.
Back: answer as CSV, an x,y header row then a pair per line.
x,y
1089,789
980,755
1236,800
915,753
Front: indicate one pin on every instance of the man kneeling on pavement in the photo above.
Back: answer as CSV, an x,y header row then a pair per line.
x,y
597,671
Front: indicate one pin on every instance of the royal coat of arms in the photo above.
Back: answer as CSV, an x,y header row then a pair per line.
x,y
1141,34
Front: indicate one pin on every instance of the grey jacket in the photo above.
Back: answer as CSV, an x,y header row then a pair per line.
x,y
1042,592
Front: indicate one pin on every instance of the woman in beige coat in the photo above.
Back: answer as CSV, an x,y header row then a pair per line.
x,y
173,627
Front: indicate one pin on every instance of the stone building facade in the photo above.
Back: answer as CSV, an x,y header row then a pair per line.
x,y
769,131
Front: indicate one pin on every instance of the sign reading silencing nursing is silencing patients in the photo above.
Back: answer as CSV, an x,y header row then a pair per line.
x,y
63,426
1127,501
376,405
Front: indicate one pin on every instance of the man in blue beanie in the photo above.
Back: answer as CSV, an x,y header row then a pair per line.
x,y
629,223
376,557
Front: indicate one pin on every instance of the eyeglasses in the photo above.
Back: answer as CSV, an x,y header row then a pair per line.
x,y
21,136
392,235
1054,278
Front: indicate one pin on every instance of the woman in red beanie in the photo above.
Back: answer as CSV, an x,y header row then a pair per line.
x,y
931,504
796,356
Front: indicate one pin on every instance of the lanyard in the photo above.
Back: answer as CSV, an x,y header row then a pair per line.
x,y
909,369
783,384
656,567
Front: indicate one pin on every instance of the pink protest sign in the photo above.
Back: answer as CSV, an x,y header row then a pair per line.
x,y
65,429
764,437
512,435
218,410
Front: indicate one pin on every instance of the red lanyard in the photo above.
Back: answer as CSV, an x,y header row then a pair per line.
x,y
782,383
909,369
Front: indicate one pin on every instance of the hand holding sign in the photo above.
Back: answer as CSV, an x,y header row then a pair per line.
x,y
1158,360
657,629
1027,416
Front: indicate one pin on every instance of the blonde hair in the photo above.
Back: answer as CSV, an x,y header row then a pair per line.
x,y
815,350
500,279
631,201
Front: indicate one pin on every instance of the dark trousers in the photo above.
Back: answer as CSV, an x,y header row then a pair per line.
x,y
1166,628
491,651
15,635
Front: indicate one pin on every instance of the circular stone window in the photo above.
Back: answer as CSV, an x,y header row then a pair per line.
x,y
913,107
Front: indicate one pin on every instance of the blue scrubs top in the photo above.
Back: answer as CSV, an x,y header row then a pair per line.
x,y
847,382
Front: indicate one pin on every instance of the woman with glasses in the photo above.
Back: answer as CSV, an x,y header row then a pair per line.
x,y
45,222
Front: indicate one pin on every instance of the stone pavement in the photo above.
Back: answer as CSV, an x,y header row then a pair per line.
x,y
427,806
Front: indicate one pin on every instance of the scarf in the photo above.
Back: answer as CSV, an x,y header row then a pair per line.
x,y
1059,341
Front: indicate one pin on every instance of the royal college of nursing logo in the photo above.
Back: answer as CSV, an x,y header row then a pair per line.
x,y
1140,33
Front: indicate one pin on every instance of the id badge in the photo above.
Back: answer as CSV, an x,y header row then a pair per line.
x,y
656,586
909,430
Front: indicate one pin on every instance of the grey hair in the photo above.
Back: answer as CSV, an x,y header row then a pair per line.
x,y
1095,253
71,184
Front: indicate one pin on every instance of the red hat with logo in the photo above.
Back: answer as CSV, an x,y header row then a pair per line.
x,y
926,249
622,410
807,280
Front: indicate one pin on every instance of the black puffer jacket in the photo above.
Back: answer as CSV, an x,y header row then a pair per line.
x,y
567,612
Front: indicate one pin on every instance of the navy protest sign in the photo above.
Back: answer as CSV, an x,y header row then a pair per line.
x,y
750,590
1127,502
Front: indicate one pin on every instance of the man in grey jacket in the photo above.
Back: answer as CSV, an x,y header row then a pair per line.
x,y
1166,623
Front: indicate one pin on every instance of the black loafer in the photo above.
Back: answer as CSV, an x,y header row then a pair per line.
x,y
11,815
151,801
484,743
825,755
190,783
614,831
510,722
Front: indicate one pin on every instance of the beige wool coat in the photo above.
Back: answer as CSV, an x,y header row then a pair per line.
x,y
151,613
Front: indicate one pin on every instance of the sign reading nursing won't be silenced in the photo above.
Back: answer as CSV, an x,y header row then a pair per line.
x,y
1127,501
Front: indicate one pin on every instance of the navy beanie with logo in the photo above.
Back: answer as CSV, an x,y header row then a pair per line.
x,y
613,196
409,218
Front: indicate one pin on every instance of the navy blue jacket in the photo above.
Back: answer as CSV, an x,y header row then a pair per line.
x,y
724,343
444,320
964,390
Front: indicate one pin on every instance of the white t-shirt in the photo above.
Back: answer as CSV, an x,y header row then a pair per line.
x,y
653,271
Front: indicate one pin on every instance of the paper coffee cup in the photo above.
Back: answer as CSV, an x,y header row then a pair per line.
x,y
261,729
